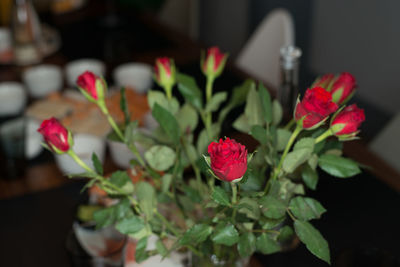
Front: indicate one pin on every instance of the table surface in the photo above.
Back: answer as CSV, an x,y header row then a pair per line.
x,y
38,209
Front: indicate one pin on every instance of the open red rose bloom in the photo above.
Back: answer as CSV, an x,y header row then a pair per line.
x,y
228,159
315,107
54,134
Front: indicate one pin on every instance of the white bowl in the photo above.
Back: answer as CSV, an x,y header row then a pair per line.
x,y
84,146
75,68
137,76
12,98
43,79
33,139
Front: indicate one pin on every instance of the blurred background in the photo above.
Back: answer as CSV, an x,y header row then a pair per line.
x,y
357,36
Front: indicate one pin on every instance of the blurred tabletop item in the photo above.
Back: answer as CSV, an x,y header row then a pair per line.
x,y
46,200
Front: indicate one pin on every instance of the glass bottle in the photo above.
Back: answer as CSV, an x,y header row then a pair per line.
x,y
26,33
289,87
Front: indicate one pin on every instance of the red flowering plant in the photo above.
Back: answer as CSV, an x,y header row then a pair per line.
x,y
238,202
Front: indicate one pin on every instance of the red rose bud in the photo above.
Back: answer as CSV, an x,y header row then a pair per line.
x,y
56,136
228,159
91,86
346,123
343,88
315,108
164,70
324,81
214,62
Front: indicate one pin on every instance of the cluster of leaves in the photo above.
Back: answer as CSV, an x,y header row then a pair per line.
x,y
263,215
284,196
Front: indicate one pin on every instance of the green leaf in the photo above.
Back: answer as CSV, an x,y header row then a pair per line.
x,y
313,240
188,88
301,153
288,189
253,110
147,198
166,182
140,252
187,118
220,196
259,133
124,107
161,249
338,166
267,245
286,234
130,225
266,105
249,207
104,217
242,124
158,97
216,101
167,122
272,207
268,224
196,234
283,137
247,244
97,164
305,143
225,234
305,208
122,180
130,132
277,112
160,158
309,176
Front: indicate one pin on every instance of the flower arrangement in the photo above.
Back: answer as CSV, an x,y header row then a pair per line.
x,y
238,202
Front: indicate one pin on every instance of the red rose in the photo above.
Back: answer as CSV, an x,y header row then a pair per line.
x,y
348,120
164,70
315,107
228,159
55,135
214,61
87,82
343,88
324,81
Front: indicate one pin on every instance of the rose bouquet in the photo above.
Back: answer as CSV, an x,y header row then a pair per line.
x,y
209,195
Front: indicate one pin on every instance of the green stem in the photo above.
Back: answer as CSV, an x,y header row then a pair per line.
x,y
291,215
171,228
78,160
168,91
234,199
131,147
209,89
287,148
289,124
195,168
323,136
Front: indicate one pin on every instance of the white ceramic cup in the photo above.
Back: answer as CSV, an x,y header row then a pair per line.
x,y
12,98
43,79
84,146
75,68
33,139
137,76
